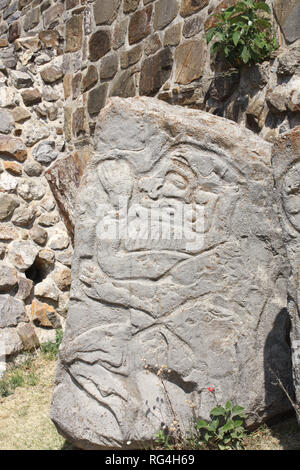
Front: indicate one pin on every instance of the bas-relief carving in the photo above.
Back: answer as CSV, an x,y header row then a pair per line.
x,y
162,300
156,286
290,193
286,165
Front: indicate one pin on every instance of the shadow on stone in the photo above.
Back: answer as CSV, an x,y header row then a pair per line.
x,y
278,346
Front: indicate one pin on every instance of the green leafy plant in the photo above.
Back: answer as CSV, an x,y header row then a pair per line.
x,y
5,388
162,439
16,379
10,383
32,379
18,376
244,33
50,350
225,430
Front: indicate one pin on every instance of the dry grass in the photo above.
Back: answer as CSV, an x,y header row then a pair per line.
x,y
282,436
25,422
24,415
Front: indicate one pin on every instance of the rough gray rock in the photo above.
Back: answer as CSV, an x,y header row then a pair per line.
x,y
289,61
39,235
28,336
44,153
23,216
7,205
35,131
286,167
7,122
64,178
33,168
11,311
8,277
288,16
31,189
208,306
21,79
22,253
11,341
59,240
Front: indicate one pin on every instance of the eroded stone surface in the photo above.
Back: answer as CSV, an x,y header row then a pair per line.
x,y
64,178
165,12
13,148
105,11
190,61
155,72
100,44
188,7
209,304
288,16
11,311
8,277
140,25
73,33
11,341
286,167
21,254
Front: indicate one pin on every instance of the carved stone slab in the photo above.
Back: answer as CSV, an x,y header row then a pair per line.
x,y
159,314
286,166
288,17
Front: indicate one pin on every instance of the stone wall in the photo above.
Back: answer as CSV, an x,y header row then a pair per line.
x,y
158,48
34,244
60,61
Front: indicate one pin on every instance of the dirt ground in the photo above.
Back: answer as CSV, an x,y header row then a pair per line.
x,y
25,422
24,415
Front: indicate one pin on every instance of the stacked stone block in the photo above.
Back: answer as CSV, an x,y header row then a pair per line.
x,y
35,248
158,48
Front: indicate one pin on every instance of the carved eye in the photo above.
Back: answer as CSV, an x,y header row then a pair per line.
x,y
177,180
293,188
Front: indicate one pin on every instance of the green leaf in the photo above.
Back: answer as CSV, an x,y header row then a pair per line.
x,y
263,23
215,47
237,423
201,424
236,37
213,425
228,14
245,55
231,9
221,447
262,6
228,426
226,51
220,36
239,19
218,411
236,410
241,6
228,405
209,35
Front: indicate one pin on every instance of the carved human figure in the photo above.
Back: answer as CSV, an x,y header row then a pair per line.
x,y
142,257
176,263
291,195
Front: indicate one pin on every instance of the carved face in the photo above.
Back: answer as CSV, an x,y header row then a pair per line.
x,y
179,180
175,178
291,195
